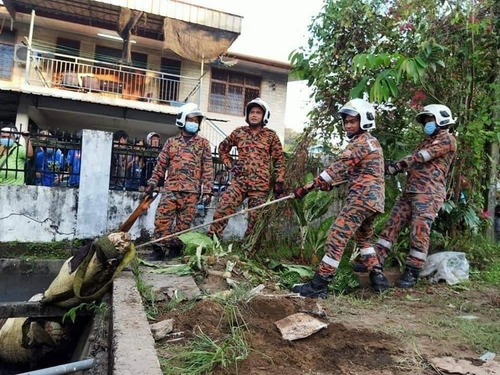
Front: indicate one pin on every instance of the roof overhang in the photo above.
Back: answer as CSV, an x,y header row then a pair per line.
x,y
105,14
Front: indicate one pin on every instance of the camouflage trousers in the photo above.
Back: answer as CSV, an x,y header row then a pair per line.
x,y
354,219
419,211
230,200
175,213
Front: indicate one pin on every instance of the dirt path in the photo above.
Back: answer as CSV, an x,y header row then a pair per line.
x,y
367,334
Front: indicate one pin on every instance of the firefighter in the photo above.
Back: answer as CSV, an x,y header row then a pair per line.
x,y
185,165
425,190
362,165
260,160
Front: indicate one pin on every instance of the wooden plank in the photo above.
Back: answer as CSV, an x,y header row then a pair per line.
x,y
30,309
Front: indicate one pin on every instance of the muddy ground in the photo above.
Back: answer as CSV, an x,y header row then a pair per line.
x,y
397,333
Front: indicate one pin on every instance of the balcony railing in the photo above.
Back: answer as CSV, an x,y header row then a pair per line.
x,y
79,74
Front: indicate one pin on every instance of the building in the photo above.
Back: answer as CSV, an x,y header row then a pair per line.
x,y
63,65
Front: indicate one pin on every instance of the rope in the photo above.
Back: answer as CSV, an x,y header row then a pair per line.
x,y
291,196
217,220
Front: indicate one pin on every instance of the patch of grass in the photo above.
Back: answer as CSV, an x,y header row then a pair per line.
x,y
478,336
203,354
415,363
148,296
492,273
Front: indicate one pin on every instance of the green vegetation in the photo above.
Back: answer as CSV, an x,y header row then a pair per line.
x,y
100,308
147,293
39,250
478,336
203,353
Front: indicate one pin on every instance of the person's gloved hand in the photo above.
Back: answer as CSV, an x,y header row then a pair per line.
x,y
149,190
393,168
321,184
302,191
207,198
279,190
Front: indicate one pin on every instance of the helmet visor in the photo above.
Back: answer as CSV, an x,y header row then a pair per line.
x,y
420,118
348,111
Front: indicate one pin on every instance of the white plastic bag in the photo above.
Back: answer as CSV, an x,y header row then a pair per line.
x,y
450,266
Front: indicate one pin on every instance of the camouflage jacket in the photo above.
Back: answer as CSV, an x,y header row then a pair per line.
x,y
187,165
260,155
362,165
429,164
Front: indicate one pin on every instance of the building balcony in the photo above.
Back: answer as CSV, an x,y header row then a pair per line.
x,y
105,82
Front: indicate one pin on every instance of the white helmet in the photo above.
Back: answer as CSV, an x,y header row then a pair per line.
x,y
188,110
441,112
262,104
361,108
151,135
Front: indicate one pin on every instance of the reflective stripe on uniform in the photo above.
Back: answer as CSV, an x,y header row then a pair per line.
x,y
367,251
418,255
425,155
384,243
330,261
325,176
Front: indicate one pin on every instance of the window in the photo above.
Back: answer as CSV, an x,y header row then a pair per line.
x,y
112,55
6,61
229,91
66,47
7,40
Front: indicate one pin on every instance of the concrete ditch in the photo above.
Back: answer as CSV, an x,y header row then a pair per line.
x,y
128,346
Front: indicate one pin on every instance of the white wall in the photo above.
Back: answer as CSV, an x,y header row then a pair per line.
x,y
45,214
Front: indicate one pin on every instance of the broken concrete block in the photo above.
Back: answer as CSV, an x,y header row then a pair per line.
x,y
161,329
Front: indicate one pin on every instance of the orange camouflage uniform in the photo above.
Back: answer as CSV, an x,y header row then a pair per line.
x,y
423,196
260,156
186,165
362,164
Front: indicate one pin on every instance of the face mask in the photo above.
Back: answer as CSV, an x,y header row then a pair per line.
x,y
6,142
191,127
49,150
430,128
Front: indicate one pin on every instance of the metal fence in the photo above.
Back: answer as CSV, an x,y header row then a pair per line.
x,y
57,161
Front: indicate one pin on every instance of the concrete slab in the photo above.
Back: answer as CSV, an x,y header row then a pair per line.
x,y
167,284
133,345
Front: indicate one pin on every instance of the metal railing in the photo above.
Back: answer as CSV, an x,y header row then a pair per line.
x,y
212,133
57,159
80,74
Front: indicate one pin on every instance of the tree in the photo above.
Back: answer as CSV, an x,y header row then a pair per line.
x,y
404,55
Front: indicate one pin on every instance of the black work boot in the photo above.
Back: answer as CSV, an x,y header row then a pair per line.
x,y
359,267
409,278
317,287
158,253
378,281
